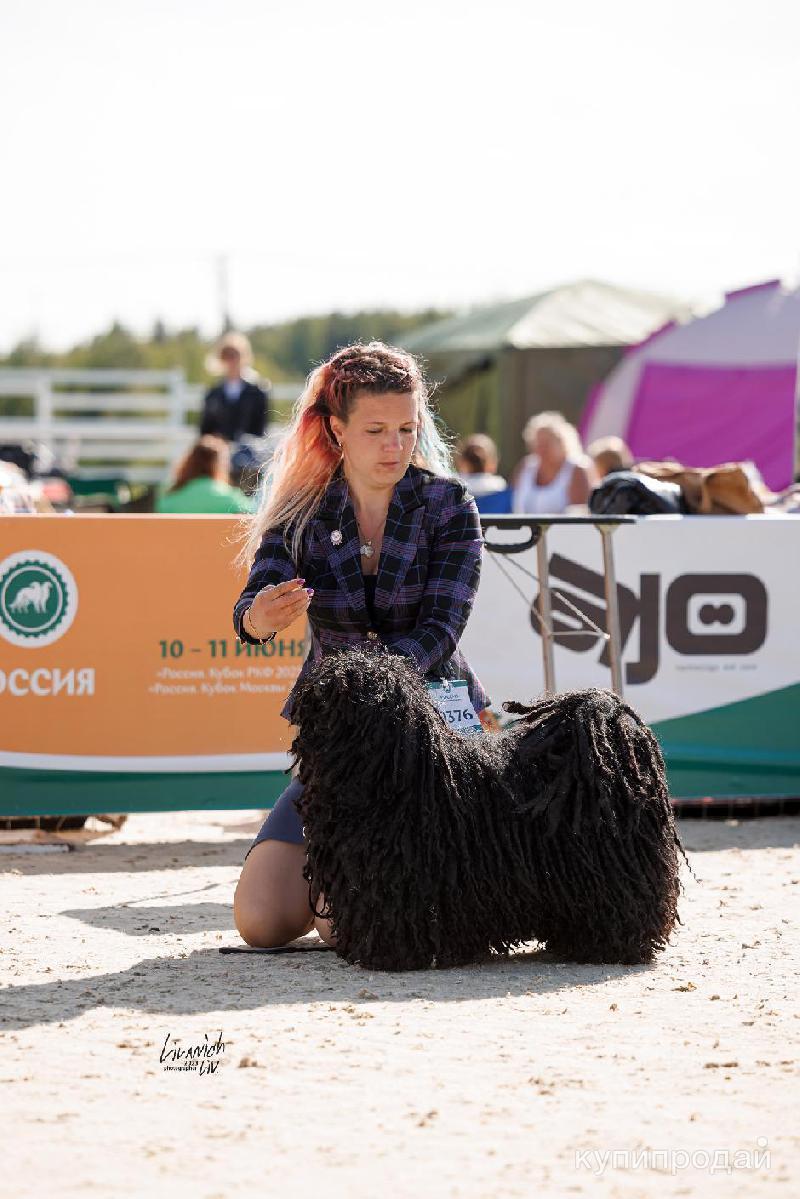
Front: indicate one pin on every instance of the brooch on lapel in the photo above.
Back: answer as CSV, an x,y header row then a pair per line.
x,y
336,537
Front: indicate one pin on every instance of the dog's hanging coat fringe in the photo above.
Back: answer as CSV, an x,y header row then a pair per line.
x,y
432,848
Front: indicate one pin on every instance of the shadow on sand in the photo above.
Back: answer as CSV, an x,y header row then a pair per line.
x,y
208,981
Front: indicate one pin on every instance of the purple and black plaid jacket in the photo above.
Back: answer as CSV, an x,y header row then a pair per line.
x,y
428,574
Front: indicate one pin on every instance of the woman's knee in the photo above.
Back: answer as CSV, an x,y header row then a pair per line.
x,y
268,930
270,904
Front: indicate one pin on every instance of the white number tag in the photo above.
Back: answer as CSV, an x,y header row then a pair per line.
x,y
452,699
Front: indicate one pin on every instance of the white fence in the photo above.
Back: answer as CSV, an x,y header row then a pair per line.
x,y
132,424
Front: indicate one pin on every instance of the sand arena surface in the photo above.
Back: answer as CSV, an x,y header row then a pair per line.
x,y
519,1078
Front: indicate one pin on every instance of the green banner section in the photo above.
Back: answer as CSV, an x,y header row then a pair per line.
x,y
64,792
747,749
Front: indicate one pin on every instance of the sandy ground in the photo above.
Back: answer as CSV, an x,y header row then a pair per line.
x,y
519,1078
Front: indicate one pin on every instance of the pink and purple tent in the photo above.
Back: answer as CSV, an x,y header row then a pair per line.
x,y
720,388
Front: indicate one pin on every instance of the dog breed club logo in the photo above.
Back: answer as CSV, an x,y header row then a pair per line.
x,y
38,598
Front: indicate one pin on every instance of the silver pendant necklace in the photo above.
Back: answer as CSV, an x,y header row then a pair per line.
x,y
366,547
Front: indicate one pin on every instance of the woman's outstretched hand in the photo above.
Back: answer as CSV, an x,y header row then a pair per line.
x,y
277,606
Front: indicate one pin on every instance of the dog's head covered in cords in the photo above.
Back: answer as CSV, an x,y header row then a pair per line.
x,y
435,848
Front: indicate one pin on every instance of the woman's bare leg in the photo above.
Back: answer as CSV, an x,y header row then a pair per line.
x,y
270,905
322,926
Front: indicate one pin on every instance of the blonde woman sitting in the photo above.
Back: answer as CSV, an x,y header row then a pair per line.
x,y
555,475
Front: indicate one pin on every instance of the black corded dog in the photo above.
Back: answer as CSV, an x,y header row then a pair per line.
x,y
435,848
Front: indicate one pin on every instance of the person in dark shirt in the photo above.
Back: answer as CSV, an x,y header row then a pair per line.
x,y
237,405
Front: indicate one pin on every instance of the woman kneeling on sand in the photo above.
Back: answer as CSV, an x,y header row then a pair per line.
x,y
364,527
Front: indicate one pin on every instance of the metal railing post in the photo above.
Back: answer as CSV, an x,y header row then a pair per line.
x,y
612,608
545,612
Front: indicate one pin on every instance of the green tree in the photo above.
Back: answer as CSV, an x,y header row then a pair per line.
x,y
117,348
28,353
285,351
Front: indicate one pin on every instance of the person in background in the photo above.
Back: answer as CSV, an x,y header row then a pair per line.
x,y
201,482
16,493
610,454
555,474
476,463
246,467
236,405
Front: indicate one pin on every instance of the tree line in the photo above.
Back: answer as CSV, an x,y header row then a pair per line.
x,y
284,351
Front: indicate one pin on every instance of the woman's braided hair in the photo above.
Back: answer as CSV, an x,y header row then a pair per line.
x,y
295,480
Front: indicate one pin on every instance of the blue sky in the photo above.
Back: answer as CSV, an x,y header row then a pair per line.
x,y
353,155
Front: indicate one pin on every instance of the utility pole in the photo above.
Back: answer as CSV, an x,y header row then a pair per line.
x,y
223,294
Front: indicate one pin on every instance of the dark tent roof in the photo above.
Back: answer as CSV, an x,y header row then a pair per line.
x,y
585,313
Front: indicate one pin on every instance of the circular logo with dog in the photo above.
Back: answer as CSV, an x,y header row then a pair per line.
x,y
38,598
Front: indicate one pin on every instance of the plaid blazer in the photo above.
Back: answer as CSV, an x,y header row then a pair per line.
x,y
428,574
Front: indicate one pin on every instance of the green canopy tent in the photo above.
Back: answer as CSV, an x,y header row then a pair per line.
x,y
499,364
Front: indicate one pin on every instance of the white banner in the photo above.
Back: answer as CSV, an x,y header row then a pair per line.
x,y
708,612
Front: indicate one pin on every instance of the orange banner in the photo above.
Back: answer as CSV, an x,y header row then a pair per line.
x,y
116,641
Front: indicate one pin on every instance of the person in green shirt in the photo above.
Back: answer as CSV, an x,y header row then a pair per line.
x,y
201,482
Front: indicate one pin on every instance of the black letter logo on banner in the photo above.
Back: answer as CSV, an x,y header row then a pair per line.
x,y
705,614
645,607
716,614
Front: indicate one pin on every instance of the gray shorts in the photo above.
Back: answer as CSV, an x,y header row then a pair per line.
x,y
283,822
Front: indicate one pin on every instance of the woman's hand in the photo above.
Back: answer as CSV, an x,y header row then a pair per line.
x,y
489,721
276,607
